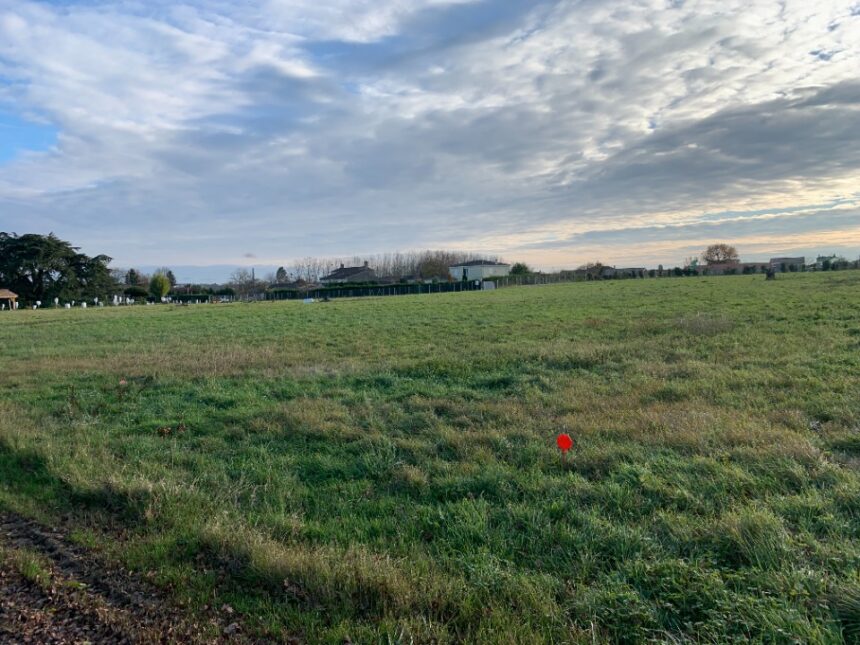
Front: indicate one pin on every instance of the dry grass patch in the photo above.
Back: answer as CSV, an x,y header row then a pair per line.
x,y
702,324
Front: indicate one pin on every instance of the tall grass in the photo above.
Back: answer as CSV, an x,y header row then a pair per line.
x,y
385,469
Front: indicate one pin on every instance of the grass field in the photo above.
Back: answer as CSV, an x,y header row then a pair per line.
x,y
385,469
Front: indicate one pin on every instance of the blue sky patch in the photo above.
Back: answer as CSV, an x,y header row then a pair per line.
x,y
18,135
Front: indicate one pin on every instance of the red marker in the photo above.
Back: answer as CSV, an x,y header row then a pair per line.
x,y
564,442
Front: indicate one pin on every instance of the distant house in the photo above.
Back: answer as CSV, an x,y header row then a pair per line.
x,y
626,272
783,265
344,275
479,270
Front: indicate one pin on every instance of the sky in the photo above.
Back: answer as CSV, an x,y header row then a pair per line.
x,y
633,132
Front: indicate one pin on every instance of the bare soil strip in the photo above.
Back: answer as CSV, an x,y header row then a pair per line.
x,y
83,600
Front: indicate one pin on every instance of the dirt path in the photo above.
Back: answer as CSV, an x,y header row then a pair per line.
x,y
52,591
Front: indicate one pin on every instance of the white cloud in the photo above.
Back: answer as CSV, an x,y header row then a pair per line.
x,y
357,21
396,124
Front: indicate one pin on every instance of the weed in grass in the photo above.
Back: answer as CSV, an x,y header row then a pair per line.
x,y
753,536
30,564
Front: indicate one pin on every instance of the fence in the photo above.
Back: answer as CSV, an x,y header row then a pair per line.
x,y
347,291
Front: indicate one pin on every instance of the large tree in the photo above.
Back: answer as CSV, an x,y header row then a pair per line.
x,y
720,254
44,267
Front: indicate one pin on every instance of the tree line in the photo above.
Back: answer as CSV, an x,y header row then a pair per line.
x,y
45,269
426,265
41,268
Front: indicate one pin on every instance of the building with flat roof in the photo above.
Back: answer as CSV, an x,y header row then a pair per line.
x,y
479,270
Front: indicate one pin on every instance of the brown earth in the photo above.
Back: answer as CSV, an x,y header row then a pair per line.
x,y
80,599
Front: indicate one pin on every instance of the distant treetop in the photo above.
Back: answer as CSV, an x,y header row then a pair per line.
x,y
720,254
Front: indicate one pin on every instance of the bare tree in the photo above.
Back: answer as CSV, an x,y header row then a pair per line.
x,y
243,283
592,269
720,254
433,268
393,265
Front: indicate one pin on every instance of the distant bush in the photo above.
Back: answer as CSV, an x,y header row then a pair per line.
x,y
136,291
159,285
520,268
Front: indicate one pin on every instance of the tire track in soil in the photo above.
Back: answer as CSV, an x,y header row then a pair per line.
x,y
88,601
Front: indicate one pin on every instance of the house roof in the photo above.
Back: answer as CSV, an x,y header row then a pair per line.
x,y
481,263
5,294
346,272
788,260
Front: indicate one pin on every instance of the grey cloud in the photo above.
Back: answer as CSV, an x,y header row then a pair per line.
x,y
459,120
775,225
739,149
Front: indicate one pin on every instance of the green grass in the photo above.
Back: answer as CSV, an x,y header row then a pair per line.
x,y
30,564
385,469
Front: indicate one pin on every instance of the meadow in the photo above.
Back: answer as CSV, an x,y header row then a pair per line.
x,y
385,469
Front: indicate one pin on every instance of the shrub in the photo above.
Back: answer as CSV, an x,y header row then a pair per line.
x,y
520,268
135,291
159,286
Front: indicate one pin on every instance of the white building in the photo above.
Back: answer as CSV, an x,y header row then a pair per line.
x,y
479,270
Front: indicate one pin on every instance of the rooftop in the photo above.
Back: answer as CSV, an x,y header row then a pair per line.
x,y
481,263
346,272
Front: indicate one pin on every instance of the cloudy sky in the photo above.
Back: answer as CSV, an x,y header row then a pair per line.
x,y
557,132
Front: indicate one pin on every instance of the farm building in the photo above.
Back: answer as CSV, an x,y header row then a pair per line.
x,y
479,270
8,298
787,264
626,272
345,275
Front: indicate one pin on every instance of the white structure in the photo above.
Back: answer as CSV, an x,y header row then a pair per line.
x,y
479,270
